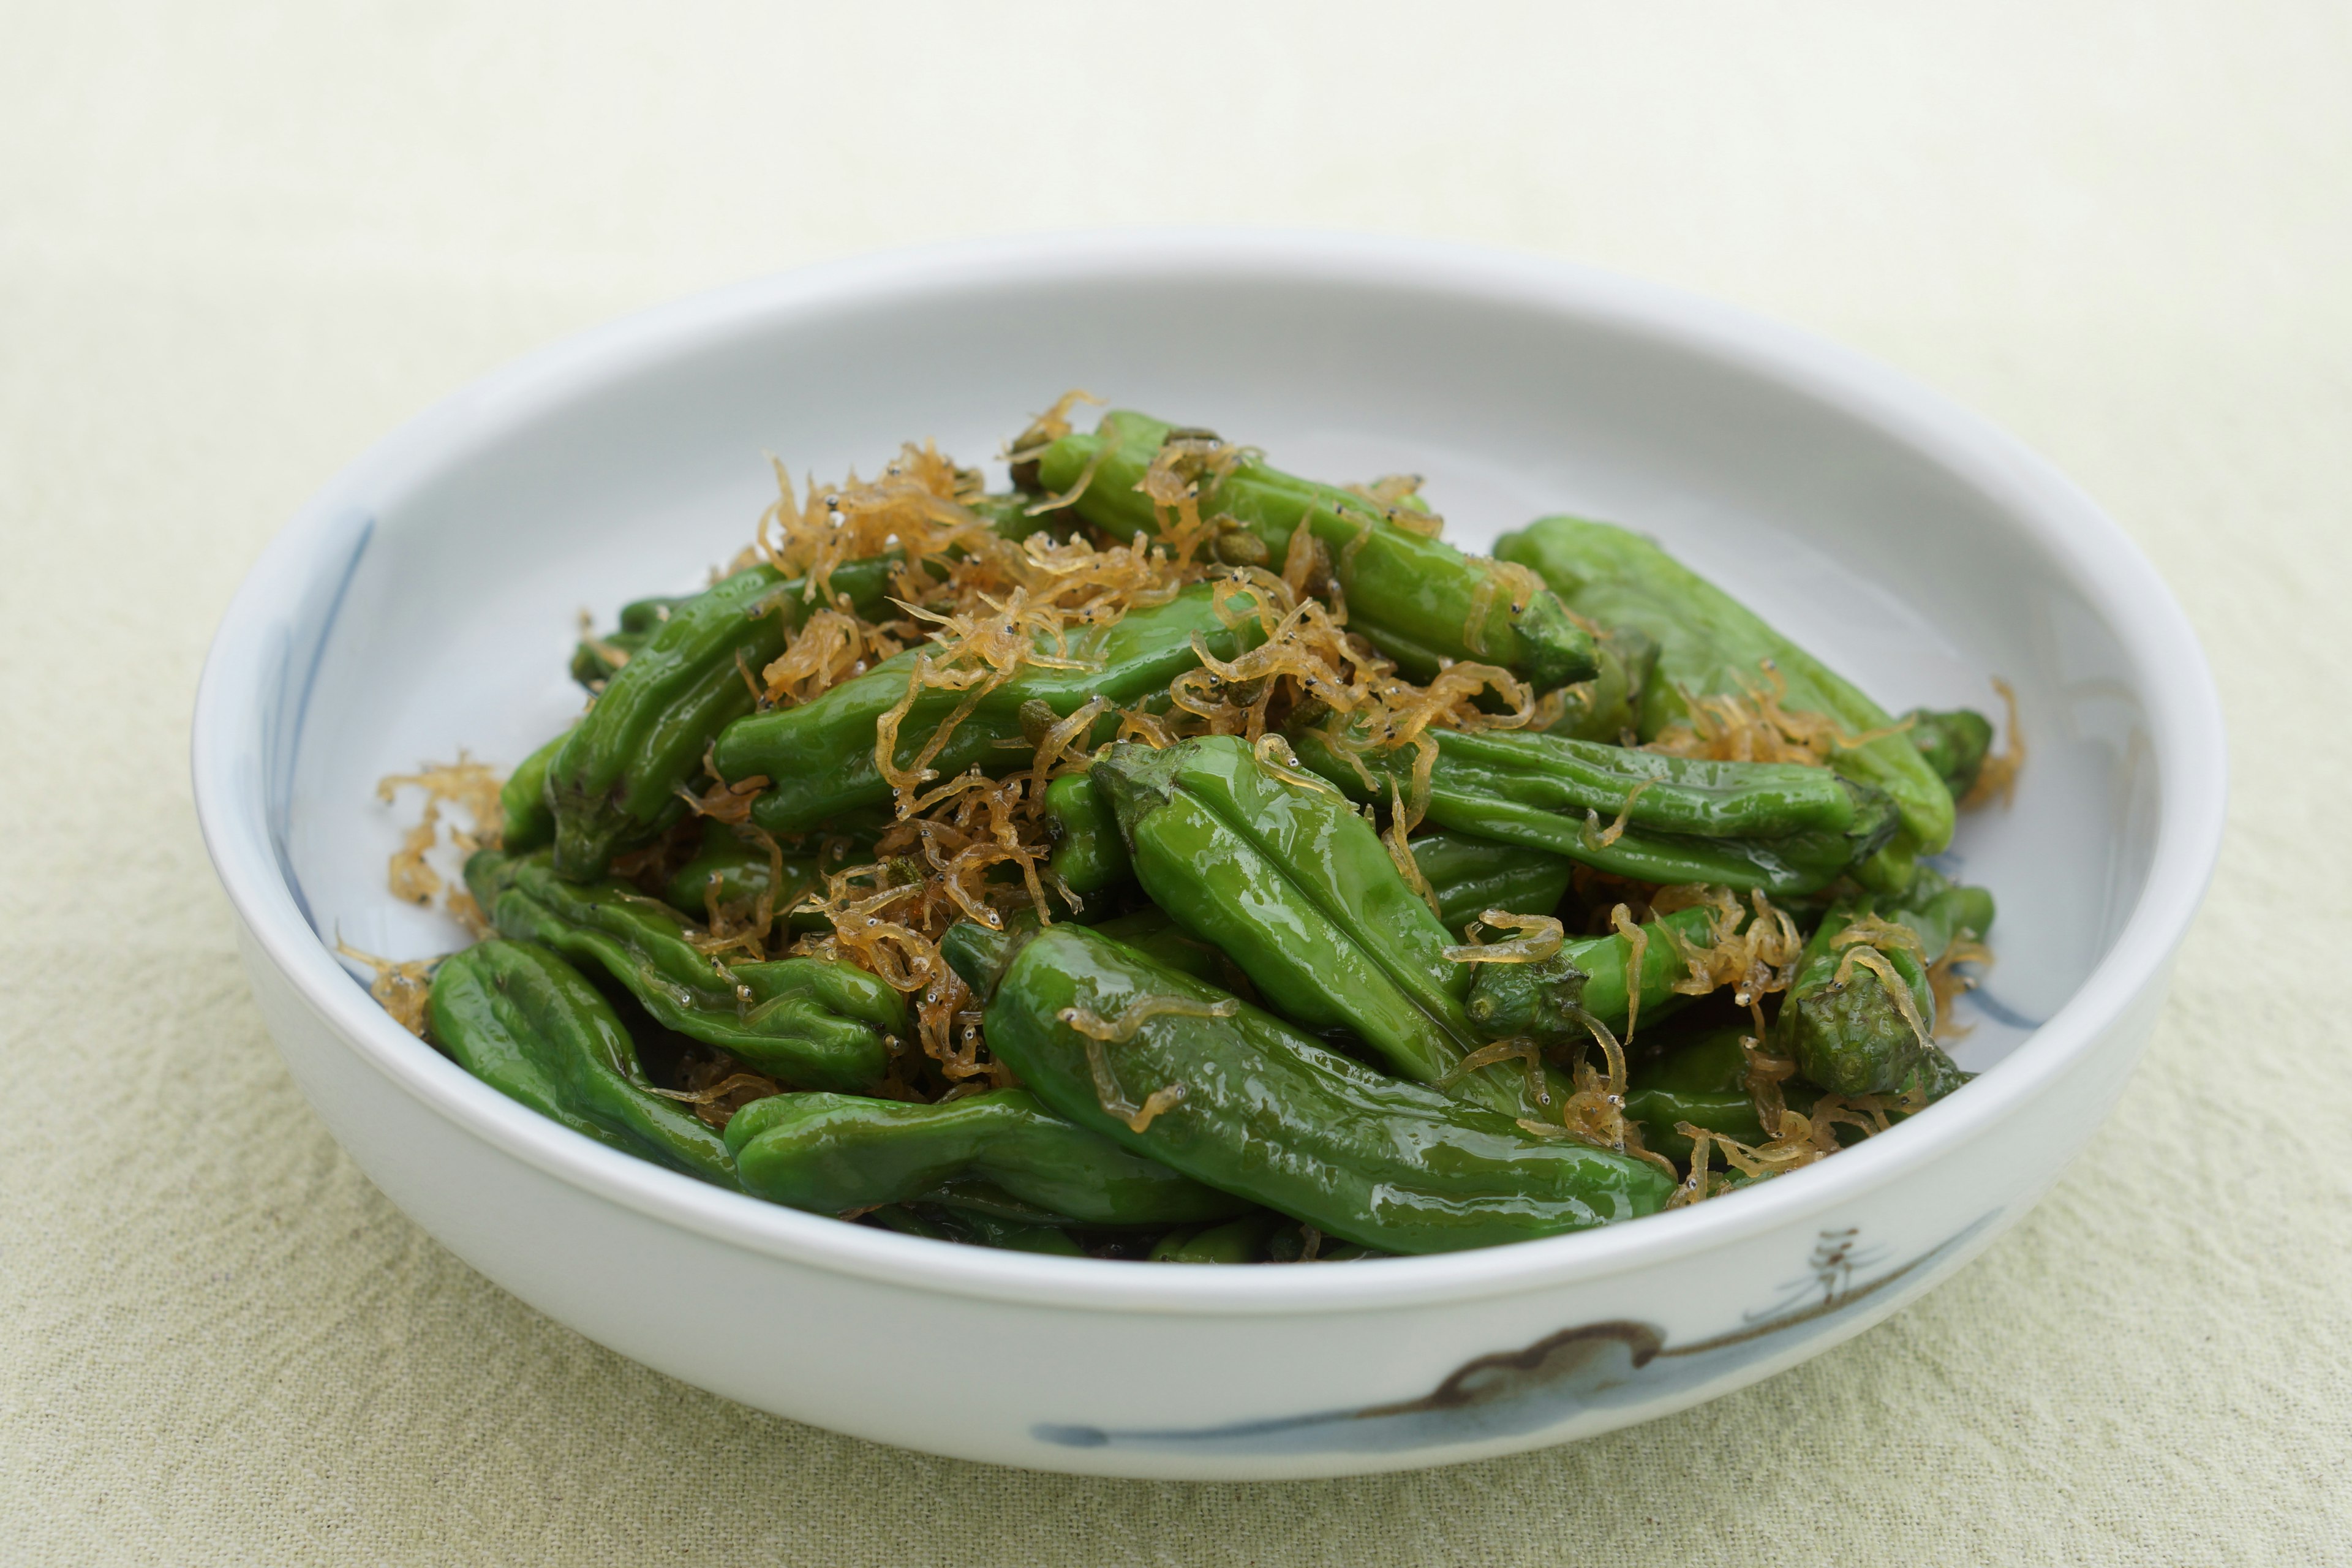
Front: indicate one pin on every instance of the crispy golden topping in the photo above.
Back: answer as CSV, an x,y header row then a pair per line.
x,y
1754,727
1637,948
473,788
1544,938
1142,1010
1046,428
719,1086
1997,776
405,990
1595,836
1947,984
1754,949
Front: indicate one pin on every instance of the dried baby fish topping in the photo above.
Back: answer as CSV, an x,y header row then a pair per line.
x,y
1598,837
1142,1010
1997,776
1947,984
1754,949
402,988
1545,937
1756,727
469,785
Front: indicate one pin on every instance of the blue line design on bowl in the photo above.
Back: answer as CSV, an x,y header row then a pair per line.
x,y
1590,1366
302,648
2000,1012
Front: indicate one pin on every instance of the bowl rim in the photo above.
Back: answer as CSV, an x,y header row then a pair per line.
x,y
2181,702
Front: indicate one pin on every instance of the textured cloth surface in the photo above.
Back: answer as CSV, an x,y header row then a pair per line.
x,y
238,244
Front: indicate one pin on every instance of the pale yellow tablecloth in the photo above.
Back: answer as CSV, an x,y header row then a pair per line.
x,y
237,244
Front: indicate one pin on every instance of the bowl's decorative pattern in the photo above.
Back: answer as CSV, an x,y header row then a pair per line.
x,y
1508,1393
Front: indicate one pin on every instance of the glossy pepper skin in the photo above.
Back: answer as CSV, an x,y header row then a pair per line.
x,y
830,1153
593,663
810,1022
522,801
1697,1078
737,872
1609,706
1471,874
1852,1038
1088,854
1782,827
1242,1240
1150,932
1954,744
1268,1114
615,778
1711,645
1542,999
529,1025
1413,597
1299,892
819,756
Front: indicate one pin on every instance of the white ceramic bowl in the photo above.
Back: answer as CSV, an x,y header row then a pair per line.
x,y
425,601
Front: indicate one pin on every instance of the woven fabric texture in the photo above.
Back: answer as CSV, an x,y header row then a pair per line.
x,y
238,243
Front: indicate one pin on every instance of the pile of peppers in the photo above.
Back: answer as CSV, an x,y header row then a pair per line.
x,y
1259,1004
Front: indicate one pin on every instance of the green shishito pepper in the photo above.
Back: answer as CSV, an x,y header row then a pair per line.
x,y
526,1022
1710,645
1608,706
593,663
1242,1240
810,1022
737,873
1954,744
1854,1037
1779,826
1261,1110
1549,999
1150,932
1299,892
522,801
1417,599
1087,854
1471,876
975,1229
1697,1078
830,1153
819,756
616,776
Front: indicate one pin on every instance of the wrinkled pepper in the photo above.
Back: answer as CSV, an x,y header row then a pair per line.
x,y
1609,706
830,1153
811,1022
735,872
1296,887
1470,876
1955,743
1549,999
523,1021
1697,1080
522,801
1250,1105
1853,1036
1088,856
1710,645
1780,826
819,756
596,659
1150,932
616,778
1417,599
